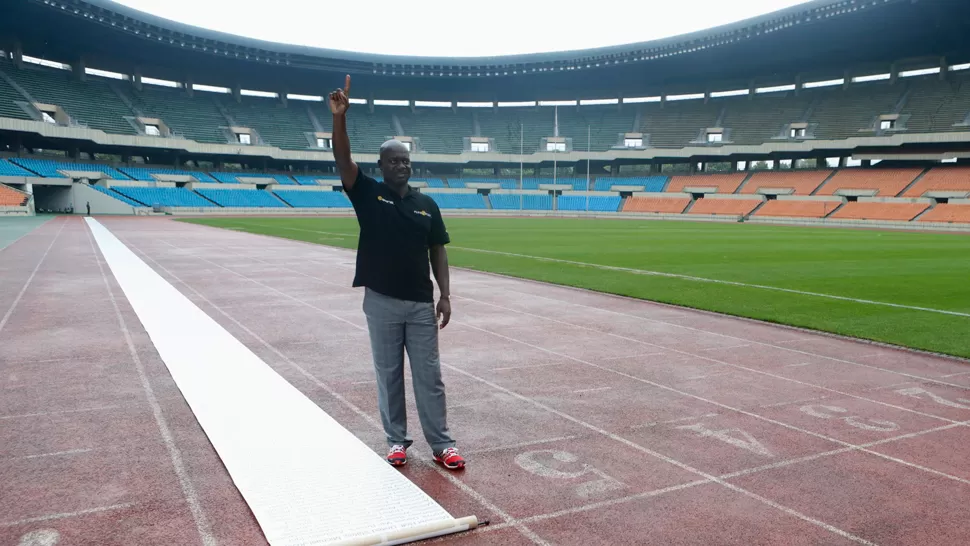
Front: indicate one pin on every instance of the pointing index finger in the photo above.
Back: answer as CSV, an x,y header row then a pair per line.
x,y
347,85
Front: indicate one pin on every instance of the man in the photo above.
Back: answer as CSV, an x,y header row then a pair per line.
x,y
399,230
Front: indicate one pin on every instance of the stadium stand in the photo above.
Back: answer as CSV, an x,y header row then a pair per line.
x,y
241,198
676,124
92,103
800,208
591,203
235,178
277,125
10,197
462,201
797,182
9,169
728,206
145,174
952,213
111,193
647,183
163,197
661,204
49,168
10,96
723,183
529,201
303,199
440,130
942,179
196,118
879,210
880,182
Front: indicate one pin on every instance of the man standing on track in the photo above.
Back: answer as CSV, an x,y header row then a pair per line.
x,y
401,232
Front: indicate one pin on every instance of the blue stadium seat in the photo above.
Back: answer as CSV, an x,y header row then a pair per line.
x,y
165,197
649,183
48,168
597,203
145,174
116,195
314,199
232,178
241,198
9,169
458,200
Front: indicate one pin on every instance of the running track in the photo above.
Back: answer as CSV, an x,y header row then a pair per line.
x,y
585,418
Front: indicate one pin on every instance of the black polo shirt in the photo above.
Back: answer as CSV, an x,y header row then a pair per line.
x,y
396,234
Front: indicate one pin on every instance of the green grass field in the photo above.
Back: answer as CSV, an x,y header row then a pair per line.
x,y
908,270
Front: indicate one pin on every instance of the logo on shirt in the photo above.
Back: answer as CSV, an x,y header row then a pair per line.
x,y
381,198
422,213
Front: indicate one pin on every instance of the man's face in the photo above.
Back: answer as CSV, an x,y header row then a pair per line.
x,y
395,165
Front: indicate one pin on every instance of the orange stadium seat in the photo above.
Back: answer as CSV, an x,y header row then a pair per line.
x,y
941,179
797,209
732,207
803,182
10,197
725,183
867,210
669,205
887,182
948,212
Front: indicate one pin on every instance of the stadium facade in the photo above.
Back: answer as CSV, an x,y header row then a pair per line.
x,y
756,117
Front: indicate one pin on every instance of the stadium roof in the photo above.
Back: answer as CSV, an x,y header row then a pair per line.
x,y
823,37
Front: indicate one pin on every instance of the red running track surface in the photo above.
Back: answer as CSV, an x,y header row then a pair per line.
x,y
585,418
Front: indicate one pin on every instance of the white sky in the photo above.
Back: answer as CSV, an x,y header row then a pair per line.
x,y
455,28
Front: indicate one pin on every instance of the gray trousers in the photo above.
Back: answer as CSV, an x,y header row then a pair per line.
x,y
395,326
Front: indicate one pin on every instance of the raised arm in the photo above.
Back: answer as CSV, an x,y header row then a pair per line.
x,y
339,103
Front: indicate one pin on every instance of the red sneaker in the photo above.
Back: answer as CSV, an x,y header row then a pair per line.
x,y
450,458
397,456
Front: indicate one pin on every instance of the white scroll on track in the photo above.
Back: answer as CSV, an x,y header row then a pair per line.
x,y
307,480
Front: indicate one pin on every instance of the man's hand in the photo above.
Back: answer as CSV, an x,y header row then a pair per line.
x,y
340,99
444,311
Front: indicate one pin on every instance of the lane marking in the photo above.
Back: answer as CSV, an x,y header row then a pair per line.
x,y
56,412
41,537
714,281
54,454
416,452
185,482
64,515
30,279
594,389
520,445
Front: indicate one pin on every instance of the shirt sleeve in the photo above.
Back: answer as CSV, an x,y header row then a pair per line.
x,y
438,234
364,187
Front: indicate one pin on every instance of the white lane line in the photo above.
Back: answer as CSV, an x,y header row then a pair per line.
x,y
53,454
63,515
594,389
56,412
185,482
30,279
714,281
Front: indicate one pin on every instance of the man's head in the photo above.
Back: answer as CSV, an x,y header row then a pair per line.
x,y
395,163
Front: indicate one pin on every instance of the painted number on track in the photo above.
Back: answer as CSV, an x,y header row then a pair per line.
x,y
732,436
828,412
917,392
562,465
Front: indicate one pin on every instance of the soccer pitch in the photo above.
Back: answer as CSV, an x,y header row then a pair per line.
x,y
909,289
